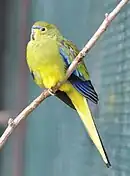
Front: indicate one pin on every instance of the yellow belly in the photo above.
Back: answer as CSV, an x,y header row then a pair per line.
x,y
50,77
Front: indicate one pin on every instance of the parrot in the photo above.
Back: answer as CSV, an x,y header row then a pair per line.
x,y
48,55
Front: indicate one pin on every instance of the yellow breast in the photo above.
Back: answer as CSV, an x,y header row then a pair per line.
x,y
45,62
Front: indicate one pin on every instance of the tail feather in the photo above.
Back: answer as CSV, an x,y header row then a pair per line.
x,y
82,108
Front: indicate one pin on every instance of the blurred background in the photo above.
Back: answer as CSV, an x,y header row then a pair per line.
x,y
53,141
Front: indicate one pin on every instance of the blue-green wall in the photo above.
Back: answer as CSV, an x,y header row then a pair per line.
x,y
56,142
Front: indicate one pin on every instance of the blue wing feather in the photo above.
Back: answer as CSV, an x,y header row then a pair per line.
x,y
85,87
65,57
67,62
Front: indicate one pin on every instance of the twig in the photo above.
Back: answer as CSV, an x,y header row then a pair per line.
x,y
12,124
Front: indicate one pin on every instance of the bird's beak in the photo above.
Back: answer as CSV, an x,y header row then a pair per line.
x,y
32,35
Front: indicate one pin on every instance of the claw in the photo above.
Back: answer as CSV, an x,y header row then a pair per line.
x,y
51,92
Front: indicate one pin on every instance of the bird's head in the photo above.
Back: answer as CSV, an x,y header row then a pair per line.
x,y
41,30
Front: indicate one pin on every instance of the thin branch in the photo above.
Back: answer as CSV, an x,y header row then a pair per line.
x,y
12,124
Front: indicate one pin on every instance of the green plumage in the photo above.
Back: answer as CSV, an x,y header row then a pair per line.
x,y
49,54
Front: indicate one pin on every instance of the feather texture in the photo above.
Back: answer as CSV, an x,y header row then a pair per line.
x,y
77,79
49,54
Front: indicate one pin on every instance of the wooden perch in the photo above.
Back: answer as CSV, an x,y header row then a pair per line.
x,y
12,124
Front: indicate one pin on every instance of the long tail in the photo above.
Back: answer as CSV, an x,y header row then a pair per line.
x,y
82,108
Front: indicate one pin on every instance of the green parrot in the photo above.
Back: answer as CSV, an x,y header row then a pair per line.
x,y
49,54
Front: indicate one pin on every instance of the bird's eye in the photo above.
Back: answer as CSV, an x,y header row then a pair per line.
x,y
43,29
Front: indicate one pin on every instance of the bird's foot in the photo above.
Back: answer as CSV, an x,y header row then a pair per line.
x,y
51,91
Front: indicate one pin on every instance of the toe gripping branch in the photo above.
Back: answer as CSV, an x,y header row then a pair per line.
x,y
53,90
